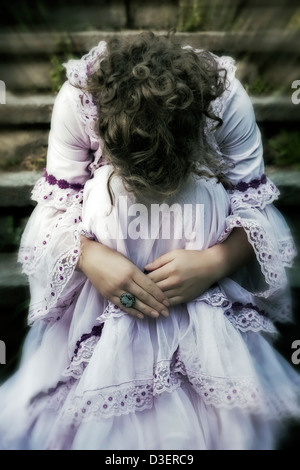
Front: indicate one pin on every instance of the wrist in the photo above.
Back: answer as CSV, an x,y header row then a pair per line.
x,y
85,244
219,262
231,255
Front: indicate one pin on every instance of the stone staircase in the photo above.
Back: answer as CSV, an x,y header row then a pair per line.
x,y
30,67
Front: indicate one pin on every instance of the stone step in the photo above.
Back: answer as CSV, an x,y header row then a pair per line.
x,y
36,109
45,43
23,149
46,76
32,61
26,109
15,187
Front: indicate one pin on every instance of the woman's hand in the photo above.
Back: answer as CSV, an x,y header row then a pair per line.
x,y
183,275
113,274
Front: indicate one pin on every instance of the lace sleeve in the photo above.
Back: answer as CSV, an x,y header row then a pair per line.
x,y
238,141
50,245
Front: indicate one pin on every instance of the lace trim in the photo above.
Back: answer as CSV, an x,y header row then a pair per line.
x,y
288,251
77,72
139,395
258,193
29,256
225,392
214,297
227,63
219,104
59,277
249,318
271,266
62,184
83,352
244,317
46,190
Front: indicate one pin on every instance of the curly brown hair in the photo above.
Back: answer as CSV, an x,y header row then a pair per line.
x,y
153,97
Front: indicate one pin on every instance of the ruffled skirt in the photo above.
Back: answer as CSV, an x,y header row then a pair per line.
x,y
191,381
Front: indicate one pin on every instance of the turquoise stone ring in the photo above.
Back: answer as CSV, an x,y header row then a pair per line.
x,y
128,300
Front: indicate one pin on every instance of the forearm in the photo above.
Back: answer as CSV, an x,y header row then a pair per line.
x,y
231,255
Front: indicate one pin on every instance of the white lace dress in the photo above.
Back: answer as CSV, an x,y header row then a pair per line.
x,y
206,377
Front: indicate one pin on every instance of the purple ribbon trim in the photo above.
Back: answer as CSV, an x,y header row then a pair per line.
x,y
62,184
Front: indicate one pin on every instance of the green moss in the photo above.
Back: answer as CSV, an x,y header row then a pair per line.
x,y
260,86
190,15
294,24
58,71
207,15
284,149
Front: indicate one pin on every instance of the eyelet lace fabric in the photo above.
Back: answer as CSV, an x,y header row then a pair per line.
x,y
77,72
52,307
257,194
270,264
138,395
288,251
38,258
60,194
168,375
249,318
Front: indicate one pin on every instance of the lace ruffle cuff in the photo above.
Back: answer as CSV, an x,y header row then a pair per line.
x,y
58,192
251,208
50,300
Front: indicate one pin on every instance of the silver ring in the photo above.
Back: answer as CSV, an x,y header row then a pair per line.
x,y
127,299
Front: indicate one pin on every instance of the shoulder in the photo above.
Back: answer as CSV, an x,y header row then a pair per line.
x,y
78,70
227,70
73,103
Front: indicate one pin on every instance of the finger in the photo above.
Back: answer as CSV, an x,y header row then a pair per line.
x,y
159,274
166,285
159,262
175,299
147,304
147,291
139,310
130,311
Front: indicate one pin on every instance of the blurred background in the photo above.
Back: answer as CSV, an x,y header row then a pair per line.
x,y
37,36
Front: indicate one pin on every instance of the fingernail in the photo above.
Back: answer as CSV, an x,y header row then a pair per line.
x,y
166,303
154,314
165,313
140,315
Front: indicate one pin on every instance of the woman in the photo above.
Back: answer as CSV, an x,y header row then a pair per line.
x,y
138,119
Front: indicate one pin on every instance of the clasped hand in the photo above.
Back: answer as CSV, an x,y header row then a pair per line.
x,y
174,278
